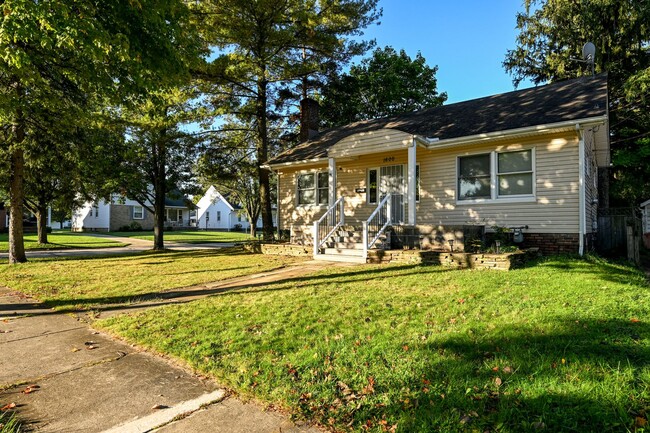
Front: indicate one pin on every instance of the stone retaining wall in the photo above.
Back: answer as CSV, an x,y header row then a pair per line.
x,y
279,249
454,260
424,257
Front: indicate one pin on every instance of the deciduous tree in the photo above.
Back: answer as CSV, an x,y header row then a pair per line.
x,y
70,56
384,84
551,35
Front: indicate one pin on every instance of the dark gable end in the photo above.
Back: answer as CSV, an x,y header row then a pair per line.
x,y
569,100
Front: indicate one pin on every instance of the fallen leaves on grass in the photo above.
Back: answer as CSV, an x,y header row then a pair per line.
x,y
31,388
8,406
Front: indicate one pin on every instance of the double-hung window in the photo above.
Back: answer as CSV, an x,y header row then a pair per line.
x,y
313,189
515,173
138,212
496,175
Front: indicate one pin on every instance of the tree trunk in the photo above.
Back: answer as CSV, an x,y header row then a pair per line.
x,y
253,228
41,224
159,194
17,196
262,156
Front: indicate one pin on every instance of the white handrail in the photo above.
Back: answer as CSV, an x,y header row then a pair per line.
x,y
386,203
333,223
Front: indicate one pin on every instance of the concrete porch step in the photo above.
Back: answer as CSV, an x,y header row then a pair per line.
x,y
340,258
343,251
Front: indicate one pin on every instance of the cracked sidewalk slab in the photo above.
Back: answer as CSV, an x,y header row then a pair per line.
x,y
112,386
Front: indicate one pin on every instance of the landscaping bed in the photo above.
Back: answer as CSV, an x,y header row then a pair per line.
x,y
561,346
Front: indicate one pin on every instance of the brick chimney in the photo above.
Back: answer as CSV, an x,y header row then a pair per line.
x,y
309,119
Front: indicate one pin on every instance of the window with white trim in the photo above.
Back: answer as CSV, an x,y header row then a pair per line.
x,y
138,212
515,173
313,188
218,216
496,175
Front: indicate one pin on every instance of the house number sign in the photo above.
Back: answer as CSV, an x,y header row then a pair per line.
x,y
389,159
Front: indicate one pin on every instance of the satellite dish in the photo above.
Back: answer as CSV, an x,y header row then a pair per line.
x,y
589,52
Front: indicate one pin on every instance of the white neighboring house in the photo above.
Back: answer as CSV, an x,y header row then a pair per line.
x,y
215,212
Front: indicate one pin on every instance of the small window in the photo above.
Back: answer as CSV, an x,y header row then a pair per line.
x,y
323,188
372,186
313,188
218,216
138,212
515,173
96,211
207,216
239,217
306,189
474,177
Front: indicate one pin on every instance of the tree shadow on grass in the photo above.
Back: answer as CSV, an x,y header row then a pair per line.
x,y
589,376
238,285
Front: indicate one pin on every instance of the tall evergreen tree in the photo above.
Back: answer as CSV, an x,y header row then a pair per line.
x,y
551,35
264,44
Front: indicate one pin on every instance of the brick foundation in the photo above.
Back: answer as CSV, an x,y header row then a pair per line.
x,y
552,243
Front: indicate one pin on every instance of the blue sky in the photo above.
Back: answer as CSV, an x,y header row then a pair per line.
x,y
467,39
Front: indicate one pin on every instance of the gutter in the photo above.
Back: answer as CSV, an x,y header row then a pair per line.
x,y
435,143
278,165
582,212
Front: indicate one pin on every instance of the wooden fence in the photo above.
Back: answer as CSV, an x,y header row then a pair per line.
x,y
619,233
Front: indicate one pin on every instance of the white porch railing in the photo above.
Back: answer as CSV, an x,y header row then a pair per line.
x,y
377,223
325,227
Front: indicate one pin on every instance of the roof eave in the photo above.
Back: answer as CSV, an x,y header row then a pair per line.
x,y
278,165
500,135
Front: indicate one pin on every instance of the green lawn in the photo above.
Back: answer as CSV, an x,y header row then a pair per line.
x,y
61,240
192,237
563,346
86,282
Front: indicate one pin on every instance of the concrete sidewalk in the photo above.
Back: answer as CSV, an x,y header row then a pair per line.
x,y
63,376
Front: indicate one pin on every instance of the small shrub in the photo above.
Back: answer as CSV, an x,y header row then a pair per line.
x,y
237,228
135,227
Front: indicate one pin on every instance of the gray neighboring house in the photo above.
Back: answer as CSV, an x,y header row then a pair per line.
x,y
119,212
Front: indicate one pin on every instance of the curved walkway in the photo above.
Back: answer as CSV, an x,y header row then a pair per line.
x,y
133,246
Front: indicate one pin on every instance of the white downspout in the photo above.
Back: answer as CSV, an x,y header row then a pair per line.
x,y
582,212
411,184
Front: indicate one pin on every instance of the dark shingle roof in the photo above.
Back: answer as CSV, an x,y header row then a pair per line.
x,y
580,98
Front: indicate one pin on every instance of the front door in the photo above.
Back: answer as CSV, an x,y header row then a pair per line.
x,y
391,181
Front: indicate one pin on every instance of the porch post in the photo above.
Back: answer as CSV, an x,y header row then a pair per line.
x,y
332,181
411,185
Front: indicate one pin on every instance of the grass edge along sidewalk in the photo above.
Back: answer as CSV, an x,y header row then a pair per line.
x,y
104,281
562,345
